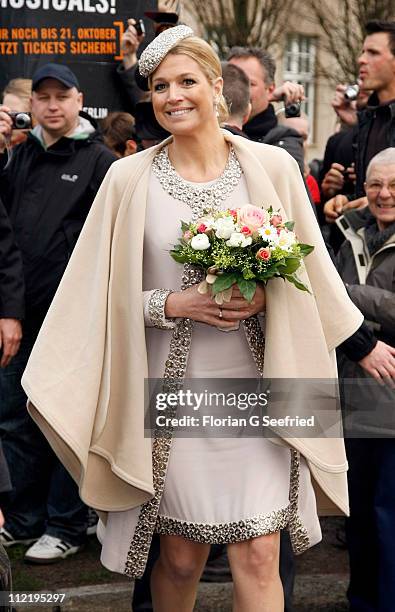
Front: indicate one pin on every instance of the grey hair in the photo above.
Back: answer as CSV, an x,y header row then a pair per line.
x,y
384,158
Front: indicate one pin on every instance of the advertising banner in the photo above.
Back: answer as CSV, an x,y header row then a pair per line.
x,y
84,34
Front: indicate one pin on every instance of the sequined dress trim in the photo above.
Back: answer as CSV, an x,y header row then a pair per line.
x,y
238,531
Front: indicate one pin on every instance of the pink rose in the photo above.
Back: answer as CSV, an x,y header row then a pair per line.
x,y
263,253
276,220
187,235
202,228
245,230
252,216
233,212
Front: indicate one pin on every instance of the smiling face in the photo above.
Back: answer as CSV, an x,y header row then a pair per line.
x,y
377,66
380,191
56,108
182,96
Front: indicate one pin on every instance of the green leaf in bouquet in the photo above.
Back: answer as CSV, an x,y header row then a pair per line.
x,y
263,277
289,225
295,281
247,288
281,263
305,249
184,226
179,257
224,281
291,265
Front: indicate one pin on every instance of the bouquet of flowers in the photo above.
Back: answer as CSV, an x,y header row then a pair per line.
x,y
241,247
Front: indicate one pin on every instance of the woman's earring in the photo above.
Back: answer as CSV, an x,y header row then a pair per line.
x,y
216,103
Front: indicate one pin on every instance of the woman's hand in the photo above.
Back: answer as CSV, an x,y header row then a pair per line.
x,y
201,307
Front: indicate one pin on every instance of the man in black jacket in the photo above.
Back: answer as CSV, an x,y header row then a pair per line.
x,y
376,123
48,188
262,125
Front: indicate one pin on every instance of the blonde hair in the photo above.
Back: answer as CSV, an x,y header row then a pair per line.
x,y
21,88
200,51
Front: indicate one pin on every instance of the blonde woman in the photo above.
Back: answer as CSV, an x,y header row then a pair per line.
x,y
126,311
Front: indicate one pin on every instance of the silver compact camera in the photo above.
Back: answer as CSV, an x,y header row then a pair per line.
x,y
20,120
351,92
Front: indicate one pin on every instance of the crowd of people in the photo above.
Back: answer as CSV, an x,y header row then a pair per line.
x,y
72,224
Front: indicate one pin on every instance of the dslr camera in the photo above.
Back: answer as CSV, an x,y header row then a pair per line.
x,y
20,120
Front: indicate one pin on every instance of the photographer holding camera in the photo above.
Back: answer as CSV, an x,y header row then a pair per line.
x,y
262,125
47,186
376,123
17,97
338,173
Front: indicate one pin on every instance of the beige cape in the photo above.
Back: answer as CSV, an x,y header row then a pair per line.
x,y
85,376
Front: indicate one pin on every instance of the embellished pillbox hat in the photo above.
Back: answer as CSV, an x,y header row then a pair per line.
x,y
157,50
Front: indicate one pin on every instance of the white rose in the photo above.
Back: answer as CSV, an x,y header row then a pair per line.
x,y
224,227
239,240
200,242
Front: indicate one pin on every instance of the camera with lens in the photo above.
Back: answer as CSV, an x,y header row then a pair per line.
x,y
20,120
351,92
292,110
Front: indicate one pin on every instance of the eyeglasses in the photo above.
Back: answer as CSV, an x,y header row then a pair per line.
x,y
375,187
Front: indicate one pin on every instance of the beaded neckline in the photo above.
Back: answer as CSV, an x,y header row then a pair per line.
x,y
198,197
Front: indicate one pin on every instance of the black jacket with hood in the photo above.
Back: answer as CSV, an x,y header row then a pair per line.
x,y
48,193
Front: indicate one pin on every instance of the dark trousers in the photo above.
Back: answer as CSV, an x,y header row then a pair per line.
x,y
44,498
142,593
370,529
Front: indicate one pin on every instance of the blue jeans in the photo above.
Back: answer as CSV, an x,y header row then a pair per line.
x,y
44,498
370,529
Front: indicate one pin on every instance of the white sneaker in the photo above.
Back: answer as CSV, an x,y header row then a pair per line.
x,y
7,539
49,549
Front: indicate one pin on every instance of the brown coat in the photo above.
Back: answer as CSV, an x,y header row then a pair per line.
x,y
85,376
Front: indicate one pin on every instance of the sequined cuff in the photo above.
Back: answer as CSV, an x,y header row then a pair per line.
x,y
156,309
